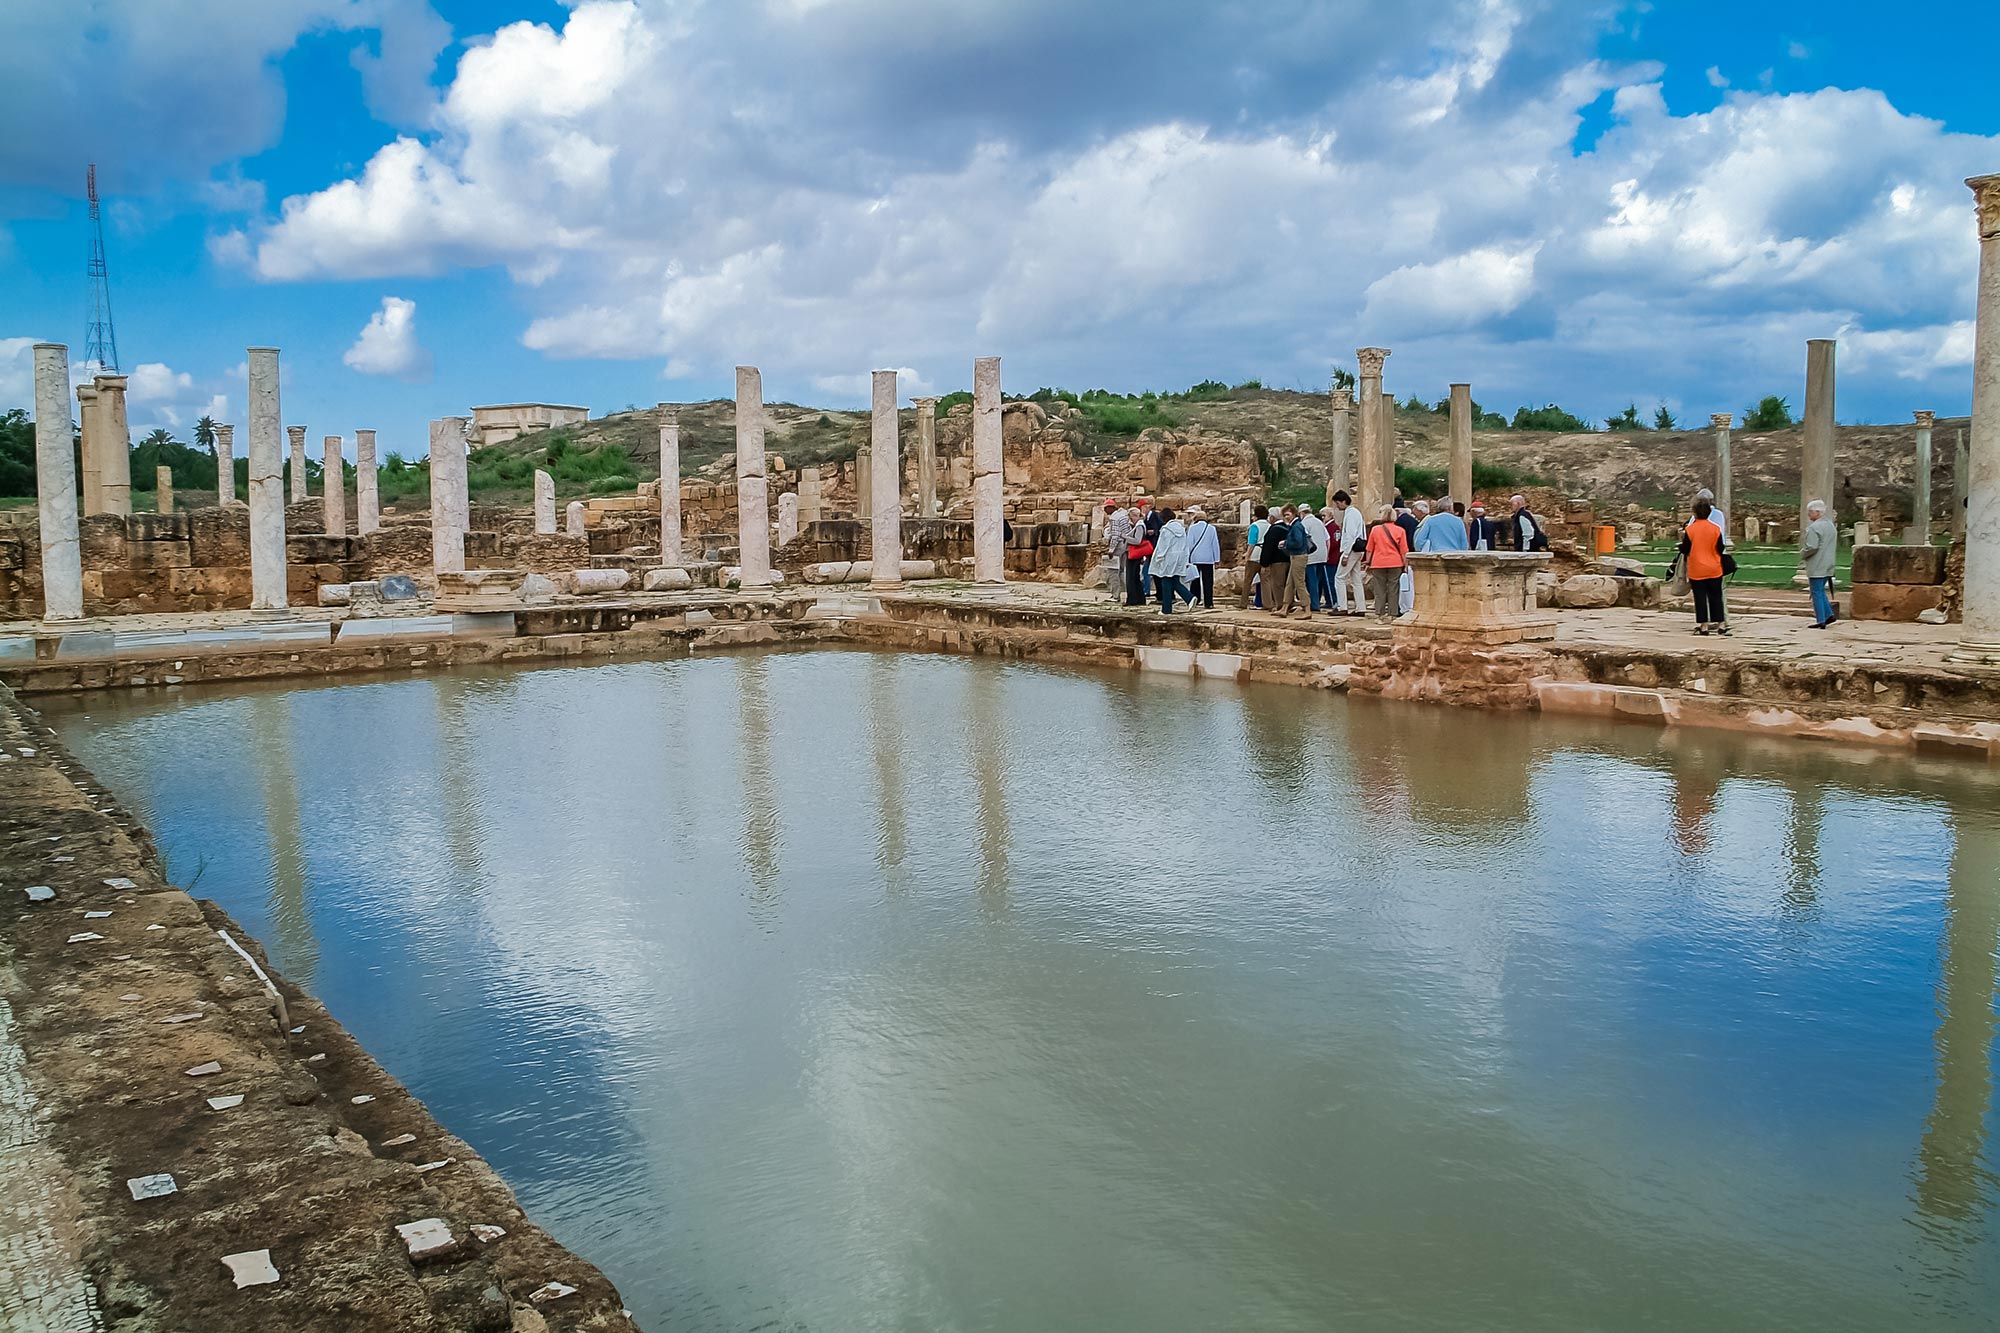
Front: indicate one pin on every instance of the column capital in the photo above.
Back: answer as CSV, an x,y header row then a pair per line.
x,y
1370,361
1986,199
297,434
1343,400
86,393
224,431
110,383
1925,420
1722,420
925,404
670,414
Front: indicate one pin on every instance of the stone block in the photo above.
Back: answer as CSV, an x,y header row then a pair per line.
x,y
589,582
1588,591
335,594
1893,601
1916,566
668,580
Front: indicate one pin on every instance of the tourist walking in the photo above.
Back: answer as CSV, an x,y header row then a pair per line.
x,y
1701,548
1388,548
1298,546
1480,532
1253,541
1170,562
1316,561
1117,536
1138,547
1350,576
1444,530
1273,564
1524,531
1204,552
1819,549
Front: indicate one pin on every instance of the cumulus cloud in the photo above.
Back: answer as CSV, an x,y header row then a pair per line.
x,y
388,344
707,186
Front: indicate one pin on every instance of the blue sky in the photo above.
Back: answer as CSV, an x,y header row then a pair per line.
x,y
431,205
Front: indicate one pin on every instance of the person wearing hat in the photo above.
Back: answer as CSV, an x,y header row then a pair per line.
x,y
1117,536
1138,549
1204,552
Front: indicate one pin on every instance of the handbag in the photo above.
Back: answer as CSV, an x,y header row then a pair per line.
x,y
1728,564
1677,577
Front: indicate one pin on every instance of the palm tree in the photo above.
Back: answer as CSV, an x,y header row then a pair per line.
x,y
204,432
158,439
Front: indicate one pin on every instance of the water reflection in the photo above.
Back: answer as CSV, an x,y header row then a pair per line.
x,y
988,752
277,782
761,822
886,742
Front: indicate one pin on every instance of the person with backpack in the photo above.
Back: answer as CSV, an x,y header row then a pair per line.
x,y
1274,566
1298,548
1388,551
1138,549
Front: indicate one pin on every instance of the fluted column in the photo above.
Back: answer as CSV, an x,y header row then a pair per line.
x,y
1458,472
367,484
1722,422
1816,458
448,483
670,486
753,500
92,447
225,465
1373,497
1921,498
267,484
297,435
927,505
55,486
886,486
333,486
1981,639
989,494
1340,467
115,446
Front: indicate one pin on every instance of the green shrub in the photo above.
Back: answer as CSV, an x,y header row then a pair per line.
x,y
1664,420
1625,421
1772,413
1248,385
1208,391
1549,417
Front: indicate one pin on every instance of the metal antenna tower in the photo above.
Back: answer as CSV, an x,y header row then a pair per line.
x,y
100,344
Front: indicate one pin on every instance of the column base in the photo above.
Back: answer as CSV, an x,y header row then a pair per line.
x,y
273,613
885,585
992,588
1975,652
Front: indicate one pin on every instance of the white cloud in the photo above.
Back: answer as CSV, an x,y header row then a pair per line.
x,y
1716,78
1797,50
388,343
17,373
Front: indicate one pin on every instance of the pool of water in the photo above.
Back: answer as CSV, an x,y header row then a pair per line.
x,y
843,990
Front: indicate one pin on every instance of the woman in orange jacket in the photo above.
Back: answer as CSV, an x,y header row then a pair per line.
x,y
1388,549
1701,547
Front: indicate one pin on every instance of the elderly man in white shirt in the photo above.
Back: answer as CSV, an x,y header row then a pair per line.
x,y
1315,560
1350,579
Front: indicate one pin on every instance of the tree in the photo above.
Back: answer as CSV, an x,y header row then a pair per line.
x,y
17,452
204,433
1773,413
1664,420
1628,420
1550,417
1343,378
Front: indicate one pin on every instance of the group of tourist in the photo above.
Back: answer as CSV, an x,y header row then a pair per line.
x,y
1303,561
1704,561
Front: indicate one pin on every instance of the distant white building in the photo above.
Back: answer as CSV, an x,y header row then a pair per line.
x,y
503,421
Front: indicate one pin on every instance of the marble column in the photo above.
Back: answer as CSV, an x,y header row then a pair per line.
x,y
927,503
886,487
225,465
1243,517
267,483
115,441
1920,504
163,490
333,485
864,483
1961,461
1458,473
55,486
545,505
1816,456
447,491
788,518
367,484
809,495
989,493
1981,641
753,501
574,524
1340,467
92,444
1722,422
671,554
1371,498
297,435
1388,443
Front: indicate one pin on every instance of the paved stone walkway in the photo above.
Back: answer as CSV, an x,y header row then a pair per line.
x,y
42,1286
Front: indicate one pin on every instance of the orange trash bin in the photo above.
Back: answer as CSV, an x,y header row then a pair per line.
x,y
1607,539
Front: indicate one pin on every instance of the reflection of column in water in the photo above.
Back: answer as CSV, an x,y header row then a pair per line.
x,y
760,800
989,775
291,916
1698,771
457,791
1803,832
1952,1182
886,732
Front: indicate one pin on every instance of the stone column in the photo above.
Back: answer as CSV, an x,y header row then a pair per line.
x,y
788,518
1981,641
886,486
333,485
115,439
927,504
1921,504
447,492
92,443
163,490
809,495
55,486
1388,444
1458,475
297,434
989,494
1243,517
671,554
1816,458
864,483
1722,421
573,520
1340,467
545,505
1371,498
267,484
1960,462
367,484
753,503
225,465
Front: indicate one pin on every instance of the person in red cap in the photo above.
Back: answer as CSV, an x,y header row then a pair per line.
x,y
1117,536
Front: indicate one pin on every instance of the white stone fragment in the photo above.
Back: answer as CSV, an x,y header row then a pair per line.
x,y
487,1234
399,1140
156,926
297,1030
84,935
315,1059
212,1067
363,1099
426,1236
433,1166
551,1291
60,859
120,882
151,1187
181,1018
40,893
252,1268
95,916
129,996
229,1103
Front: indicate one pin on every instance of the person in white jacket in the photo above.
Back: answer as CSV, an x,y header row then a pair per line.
x,y
1204,552
1170,563
1316,560
1350,580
